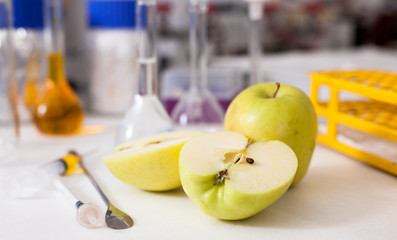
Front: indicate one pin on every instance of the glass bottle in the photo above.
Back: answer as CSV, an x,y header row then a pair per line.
x,y
58,109
112,47
28,44
146,115
9,114
198,106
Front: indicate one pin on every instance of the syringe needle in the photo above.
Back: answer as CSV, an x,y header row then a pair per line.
x,y
88,214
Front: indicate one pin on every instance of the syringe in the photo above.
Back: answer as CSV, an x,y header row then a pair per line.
x,y
88,214
27,183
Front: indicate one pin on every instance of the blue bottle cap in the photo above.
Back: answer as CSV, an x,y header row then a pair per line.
x,y
28,14
3,16
111,13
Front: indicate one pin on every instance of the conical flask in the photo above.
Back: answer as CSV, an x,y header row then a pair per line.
x,y
147,115
58,109
198,106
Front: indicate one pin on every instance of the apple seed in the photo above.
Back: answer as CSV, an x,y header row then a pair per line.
x,y
249,160
144,145
155,142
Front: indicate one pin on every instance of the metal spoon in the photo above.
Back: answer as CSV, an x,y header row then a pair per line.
x,y
115,218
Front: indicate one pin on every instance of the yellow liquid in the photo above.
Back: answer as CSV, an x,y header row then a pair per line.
x,y
32,86
30,94
58,109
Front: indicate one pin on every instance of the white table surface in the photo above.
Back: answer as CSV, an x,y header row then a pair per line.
x,y
340,198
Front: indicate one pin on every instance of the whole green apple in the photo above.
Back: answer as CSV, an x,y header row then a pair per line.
x,y
270,111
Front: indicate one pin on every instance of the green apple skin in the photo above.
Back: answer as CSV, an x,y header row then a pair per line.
x,y
150,163
289,117
152,171
220,200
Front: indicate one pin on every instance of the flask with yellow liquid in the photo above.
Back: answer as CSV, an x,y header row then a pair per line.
x,y
58,109
33,82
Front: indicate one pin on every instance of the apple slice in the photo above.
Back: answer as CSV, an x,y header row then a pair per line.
x,y
228,177
149,163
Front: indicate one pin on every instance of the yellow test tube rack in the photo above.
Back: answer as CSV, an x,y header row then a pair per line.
x,y
373,111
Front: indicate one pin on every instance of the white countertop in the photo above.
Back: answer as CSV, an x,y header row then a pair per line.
x,y
340,198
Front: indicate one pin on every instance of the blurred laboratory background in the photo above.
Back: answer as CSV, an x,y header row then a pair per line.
x,y
297,36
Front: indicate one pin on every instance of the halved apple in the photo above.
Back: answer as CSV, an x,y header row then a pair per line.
x,y
228,177
149,163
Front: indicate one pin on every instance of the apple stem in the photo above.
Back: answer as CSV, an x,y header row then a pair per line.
x,y
275,92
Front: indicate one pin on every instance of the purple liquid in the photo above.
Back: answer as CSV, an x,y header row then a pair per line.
x,y
169,104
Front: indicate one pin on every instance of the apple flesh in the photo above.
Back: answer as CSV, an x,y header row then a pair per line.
x,y
276,112
229,178
149,163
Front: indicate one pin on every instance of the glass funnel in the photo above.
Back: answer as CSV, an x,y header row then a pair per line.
x,y
58,109
255,16
147,115
198,105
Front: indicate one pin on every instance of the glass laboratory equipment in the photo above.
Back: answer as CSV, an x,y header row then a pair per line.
x,y
32,180
113,54
58,109
146,115
29,48
9,115
198,106
255,16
